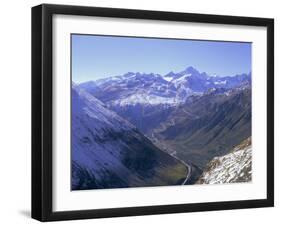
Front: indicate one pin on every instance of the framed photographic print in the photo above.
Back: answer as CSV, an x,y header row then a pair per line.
x,y
145,112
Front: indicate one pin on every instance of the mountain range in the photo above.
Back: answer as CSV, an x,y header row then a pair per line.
x,y
191,114
142,129
154,89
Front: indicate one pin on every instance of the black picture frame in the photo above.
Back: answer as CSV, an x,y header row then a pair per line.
x,y
42,107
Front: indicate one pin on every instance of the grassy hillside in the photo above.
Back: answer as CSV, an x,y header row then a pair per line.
x,y
206,126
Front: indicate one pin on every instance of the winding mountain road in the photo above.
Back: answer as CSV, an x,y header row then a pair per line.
x,y
184,163
188,175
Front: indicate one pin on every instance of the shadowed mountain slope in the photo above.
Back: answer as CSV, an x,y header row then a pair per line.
x,y
109,152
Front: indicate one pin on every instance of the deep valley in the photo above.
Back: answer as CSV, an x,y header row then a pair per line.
x,y
148,130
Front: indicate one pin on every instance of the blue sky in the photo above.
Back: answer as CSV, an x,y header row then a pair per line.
x,y
95,57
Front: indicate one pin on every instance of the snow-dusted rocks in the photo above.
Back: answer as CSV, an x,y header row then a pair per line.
x,y
231,168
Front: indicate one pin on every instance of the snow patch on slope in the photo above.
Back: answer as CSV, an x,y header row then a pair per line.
x,y
168,79
220,82
143,98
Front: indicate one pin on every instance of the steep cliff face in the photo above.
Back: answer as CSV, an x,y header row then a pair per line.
x,y
231,168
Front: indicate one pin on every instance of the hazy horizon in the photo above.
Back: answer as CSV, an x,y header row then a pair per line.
x,y
111,76
98,57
